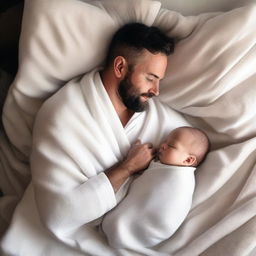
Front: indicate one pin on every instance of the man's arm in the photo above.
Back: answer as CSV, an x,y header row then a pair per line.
x,y
65,197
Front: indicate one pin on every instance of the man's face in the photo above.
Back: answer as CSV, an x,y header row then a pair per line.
x,y
142,82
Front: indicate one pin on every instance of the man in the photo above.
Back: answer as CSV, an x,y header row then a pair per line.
x,y
135,64
85,144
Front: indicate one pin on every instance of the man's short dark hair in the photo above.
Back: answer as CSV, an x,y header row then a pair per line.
x,y
131,39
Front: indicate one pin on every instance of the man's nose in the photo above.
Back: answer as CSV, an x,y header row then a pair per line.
x,y
155,89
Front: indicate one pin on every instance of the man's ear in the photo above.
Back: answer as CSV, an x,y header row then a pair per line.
x,y
190,160
120,67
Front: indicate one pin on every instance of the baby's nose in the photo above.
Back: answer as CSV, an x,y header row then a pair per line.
x,y
163,146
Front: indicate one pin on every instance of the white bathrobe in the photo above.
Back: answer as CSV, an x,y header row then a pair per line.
x,y
77,136
157,203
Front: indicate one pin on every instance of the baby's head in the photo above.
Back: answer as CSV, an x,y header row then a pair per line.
x,y
184,146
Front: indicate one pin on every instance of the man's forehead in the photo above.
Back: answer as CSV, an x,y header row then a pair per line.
x,y
153,63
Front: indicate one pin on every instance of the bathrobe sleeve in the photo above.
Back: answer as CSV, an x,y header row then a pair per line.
x,y
65,196
68,161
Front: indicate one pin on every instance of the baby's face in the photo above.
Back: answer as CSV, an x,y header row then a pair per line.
x,y
175,149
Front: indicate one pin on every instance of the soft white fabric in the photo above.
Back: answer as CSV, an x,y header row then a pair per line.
x,y
5,81
11,182
78,135
195,7
210,78
157,203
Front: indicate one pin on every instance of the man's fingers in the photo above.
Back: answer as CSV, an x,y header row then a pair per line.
x,y
138,142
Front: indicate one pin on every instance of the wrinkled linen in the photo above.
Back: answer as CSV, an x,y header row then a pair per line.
x,y
210,79
157,203
77,136
11,174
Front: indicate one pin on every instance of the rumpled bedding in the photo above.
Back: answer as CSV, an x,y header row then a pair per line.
x,y
211,81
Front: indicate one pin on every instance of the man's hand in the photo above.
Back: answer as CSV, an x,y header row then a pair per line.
x,y
137,159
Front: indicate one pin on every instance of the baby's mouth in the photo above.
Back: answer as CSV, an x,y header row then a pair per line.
x,y
158,153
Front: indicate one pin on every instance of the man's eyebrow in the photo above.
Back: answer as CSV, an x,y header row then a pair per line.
x,y
151,74
154,75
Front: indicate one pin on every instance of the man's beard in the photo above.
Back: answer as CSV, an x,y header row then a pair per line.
x,y
131,97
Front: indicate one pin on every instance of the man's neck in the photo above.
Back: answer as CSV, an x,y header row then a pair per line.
x,y
125,116
111,85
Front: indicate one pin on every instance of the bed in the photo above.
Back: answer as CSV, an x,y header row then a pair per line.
x,y
210,81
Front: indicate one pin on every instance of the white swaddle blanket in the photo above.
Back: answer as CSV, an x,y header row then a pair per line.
x,y
157,203
77,136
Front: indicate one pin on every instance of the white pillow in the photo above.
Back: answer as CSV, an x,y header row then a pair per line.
x,y
211,76
195,7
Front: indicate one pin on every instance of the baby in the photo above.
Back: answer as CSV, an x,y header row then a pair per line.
x,y
184,146
159,200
